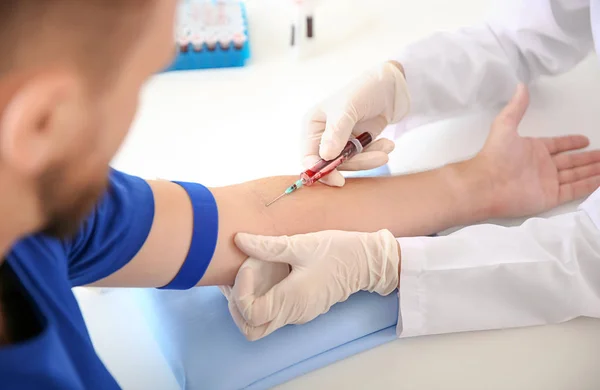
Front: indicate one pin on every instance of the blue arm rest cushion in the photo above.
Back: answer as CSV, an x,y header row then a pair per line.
x,y
205,350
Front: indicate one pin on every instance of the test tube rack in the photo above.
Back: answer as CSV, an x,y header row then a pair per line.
x,y
211,34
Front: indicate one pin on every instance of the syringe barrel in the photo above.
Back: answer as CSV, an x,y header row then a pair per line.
x,y
324,167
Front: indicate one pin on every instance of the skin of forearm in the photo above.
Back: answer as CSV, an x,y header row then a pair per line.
x,y
409,205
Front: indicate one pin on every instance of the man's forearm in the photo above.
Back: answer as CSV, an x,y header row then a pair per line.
x,y
410,205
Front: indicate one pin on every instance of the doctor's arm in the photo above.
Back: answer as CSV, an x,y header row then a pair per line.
x,y
484,277
449,73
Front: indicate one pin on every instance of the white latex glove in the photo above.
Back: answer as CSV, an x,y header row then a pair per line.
x,y
265,275
327,267
370,103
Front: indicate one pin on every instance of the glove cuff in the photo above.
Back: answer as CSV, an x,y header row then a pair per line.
x,y
383,264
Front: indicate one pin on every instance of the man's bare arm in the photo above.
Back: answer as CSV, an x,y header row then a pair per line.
x,y
416,204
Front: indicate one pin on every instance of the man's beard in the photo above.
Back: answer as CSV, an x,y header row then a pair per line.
x,y
67,209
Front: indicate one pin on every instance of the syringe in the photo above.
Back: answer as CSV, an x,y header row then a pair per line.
x,y
324,167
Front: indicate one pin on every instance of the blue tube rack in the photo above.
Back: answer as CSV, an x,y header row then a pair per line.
x,y
216,58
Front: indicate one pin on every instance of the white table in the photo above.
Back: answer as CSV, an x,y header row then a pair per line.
x,y
192,126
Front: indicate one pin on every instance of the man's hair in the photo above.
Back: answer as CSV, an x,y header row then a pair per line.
x,y
92,34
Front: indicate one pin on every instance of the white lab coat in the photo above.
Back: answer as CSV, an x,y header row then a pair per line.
x,y
485,276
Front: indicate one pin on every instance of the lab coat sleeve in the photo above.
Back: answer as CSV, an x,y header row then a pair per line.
x,y
491,277
450,73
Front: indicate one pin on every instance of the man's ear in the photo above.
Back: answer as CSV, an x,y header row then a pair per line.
x,y
35,120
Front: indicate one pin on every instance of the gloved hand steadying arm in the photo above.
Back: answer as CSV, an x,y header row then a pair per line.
x,y
370,103
326,268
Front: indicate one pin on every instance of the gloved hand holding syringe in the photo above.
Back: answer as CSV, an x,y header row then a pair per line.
x,y
324,167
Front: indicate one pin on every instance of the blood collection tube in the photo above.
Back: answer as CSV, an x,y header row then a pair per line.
x,y
303,26
309,26
197,42
295,21
211,41
224,44
293,35
238,40
324,167
183,40
225,40
184,45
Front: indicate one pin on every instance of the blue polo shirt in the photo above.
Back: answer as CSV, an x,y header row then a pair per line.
x,y
51,348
